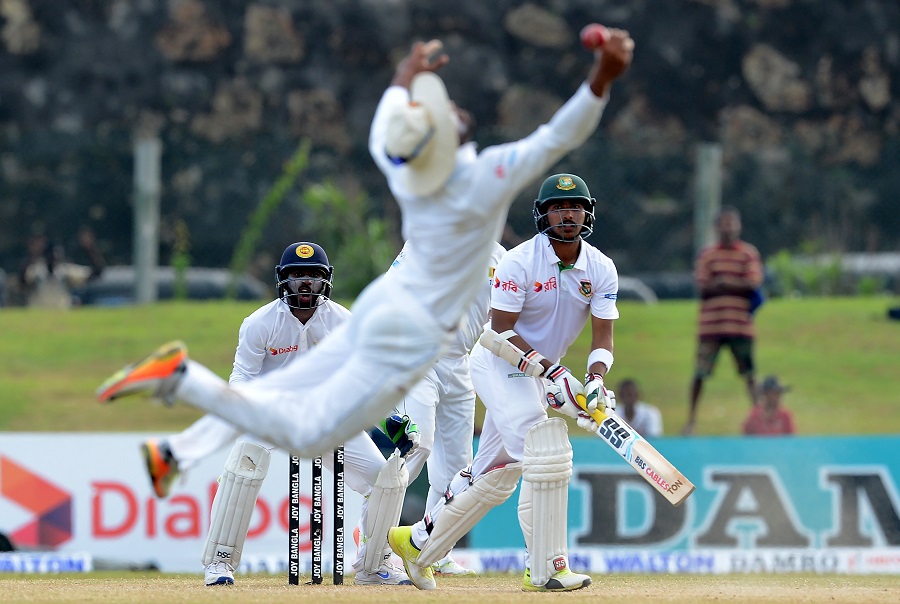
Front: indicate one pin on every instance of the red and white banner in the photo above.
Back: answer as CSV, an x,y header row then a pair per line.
x,y
78,494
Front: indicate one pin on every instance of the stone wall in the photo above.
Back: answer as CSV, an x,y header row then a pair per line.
x,y
801,93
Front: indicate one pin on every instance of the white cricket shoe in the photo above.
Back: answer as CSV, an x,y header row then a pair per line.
x,y
448,567
388,574
219,573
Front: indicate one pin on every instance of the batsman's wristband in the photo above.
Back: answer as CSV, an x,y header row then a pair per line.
x,y
600,355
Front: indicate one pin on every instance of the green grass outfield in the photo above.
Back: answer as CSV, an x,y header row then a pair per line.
x,y
497,589
840,355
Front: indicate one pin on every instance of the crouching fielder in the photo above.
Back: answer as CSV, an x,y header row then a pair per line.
x,y
544,291
281,332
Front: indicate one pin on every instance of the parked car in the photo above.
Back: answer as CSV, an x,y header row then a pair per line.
x,y
115,286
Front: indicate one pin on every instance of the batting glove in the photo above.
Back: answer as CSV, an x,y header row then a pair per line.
x,y
402,431
557,401
561,389
598,397
568,384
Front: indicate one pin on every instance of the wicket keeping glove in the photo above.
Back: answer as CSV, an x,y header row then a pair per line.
x,y
402,431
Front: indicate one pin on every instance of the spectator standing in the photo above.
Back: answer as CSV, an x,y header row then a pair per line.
x,y
727,274
643,417
47,278
769,417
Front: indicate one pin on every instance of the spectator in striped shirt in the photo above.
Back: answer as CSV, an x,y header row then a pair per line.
x,y
726,273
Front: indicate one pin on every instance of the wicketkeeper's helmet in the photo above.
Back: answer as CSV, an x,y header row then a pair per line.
x,y
563,187
303,255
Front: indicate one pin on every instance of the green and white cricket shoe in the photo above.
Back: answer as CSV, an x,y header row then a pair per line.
x,y
564,580
400,538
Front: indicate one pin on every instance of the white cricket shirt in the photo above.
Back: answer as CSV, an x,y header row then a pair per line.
x,y
271,337
554,304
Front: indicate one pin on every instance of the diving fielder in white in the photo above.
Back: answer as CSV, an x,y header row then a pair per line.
x,y
443,406
454,203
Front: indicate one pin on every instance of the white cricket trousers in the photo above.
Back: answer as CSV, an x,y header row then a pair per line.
x,y
443,406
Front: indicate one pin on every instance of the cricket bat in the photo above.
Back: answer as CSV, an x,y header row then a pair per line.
x,y
640,455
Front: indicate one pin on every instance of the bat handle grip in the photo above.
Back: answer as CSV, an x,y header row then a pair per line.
x,y
598,415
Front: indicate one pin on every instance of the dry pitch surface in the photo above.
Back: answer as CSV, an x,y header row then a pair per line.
x,y
272,589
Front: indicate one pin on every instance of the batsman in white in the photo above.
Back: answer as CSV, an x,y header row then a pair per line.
x,y
280,332
443,405
454,202
544,290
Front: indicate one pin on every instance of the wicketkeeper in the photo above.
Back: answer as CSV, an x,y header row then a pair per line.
x,y
280,332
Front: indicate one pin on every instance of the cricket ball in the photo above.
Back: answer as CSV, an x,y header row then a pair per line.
x,y
594,36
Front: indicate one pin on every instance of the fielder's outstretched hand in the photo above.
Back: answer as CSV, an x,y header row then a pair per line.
x,y
422,57
610,61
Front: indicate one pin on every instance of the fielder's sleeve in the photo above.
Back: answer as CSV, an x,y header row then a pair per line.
x,y
399,259
251,350
392,97
516,164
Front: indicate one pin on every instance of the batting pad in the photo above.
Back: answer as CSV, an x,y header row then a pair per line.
x,y
383,510
544,498
234,502
464,510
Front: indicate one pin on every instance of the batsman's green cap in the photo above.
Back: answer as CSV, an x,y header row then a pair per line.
x,y
563,186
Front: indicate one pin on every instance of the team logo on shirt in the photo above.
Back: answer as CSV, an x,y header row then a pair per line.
x,y
505,285
565,183
305,251
285,350
549,285
586,290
